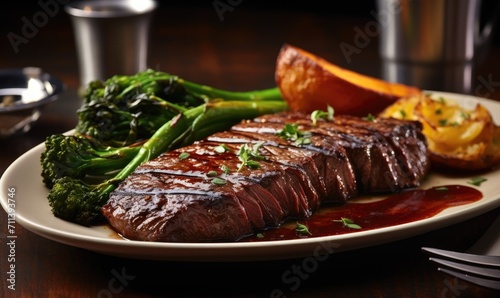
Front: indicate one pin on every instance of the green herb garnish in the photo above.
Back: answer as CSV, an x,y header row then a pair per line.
x,y
255,150
403,113
464,115
291,132
221,148
183,155
319,114
370,118
225,169
443,122
441,188
348,223
218,181
302,229
439,111
211,174
249,156
476,181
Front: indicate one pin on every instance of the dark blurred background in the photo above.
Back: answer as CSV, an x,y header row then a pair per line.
x,y
52,46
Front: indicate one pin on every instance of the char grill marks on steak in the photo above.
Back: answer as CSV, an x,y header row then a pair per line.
x,y
176,200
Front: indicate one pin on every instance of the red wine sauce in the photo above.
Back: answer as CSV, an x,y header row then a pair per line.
x,y
406,206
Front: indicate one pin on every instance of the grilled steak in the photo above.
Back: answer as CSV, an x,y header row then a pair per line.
x,y
211,195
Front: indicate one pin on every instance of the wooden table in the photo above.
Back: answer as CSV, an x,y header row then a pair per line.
x,y
237,52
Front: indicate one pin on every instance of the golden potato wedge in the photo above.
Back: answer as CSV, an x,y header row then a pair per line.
x,y
458,138
450,126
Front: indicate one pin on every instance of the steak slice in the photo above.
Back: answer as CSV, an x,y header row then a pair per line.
x,y
330,172
209,196
387,155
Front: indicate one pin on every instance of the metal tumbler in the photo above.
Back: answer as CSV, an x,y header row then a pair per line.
x,y
111,36
431,44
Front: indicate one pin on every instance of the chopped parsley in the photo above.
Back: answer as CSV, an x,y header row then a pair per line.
x,y
403,113
438,111
211,174
443,122
476,181
370,118
291,132
183,155
465,115
225,169
441,188
348,223
302,229
318,114
221,148
249,156
218,181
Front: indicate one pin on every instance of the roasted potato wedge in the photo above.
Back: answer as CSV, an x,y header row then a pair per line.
x,y
458,137
308,83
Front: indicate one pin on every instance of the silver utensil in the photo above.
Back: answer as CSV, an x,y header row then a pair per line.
x,y
479,265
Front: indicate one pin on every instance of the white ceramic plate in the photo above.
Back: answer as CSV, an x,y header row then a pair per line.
x,y
33,212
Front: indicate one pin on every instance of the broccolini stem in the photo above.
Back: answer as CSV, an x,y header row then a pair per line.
x,y
270,94
222,115
203,121
162,139
199,122
160,142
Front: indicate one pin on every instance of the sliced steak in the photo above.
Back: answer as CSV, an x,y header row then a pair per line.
x,y
208,196
387,154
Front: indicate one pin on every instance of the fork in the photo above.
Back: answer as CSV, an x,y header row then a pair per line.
x,y
479,265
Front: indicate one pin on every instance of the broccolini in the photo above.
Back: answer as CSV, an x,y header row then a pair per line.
x,y
125,109
77,156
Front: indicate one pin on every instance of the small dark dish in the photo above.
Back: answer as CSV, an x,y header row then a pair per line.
x,y
24,92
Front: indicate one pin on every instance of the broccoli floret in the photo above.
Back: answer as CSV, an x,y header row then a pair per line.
x,y
125,109
78,202
78,157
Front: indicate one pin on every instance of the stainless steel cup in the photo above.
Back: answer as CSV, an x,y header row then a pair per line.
x,y
431,44
111,36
